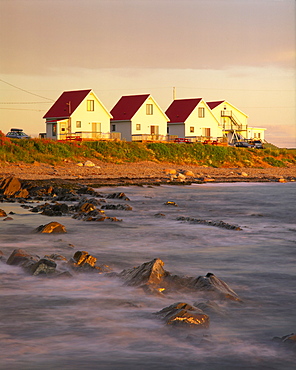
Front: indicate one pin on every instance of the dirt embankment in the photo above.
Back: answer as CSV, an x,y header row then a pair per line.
x,y
142,172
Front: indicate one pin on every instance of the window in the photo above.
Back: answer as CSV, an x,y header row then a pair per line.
x,y
78,124
149,109
90,105
113,128
191,129
138,126
259,135
201,112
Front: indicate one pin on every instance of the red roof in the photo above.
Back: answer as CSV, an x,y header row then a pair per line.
x,y
66,104
127,106
214,104
181,109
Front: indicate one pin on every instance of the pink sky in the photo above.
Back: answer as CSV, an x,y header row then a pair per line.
x,y
239,50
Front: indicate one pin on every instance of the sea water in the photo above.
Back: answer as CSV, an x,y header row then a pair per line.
x,y
92,321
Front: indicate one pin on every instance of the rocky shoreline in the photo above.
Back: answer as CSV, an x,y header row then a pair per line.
x,y
141,173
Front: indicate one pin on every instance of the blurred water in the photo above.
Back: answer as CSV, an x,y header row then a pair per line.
x,y
95,322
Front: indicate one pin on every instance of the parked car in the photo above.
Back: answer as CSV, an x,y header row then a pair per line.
x,y
17,133
182,140
243,144
257,144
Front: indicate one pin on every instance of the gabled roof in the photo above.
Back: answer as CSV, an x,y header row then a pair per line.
x,y
214,104
127,106
181,109
62,109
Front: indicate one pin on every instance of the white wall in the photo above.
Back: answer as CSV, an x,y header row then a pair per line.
x,y
99,115
124,127
208,121
146,121
177,129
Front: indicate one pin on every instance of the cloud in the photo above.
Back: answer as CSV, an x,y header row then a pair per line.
x,y
44,36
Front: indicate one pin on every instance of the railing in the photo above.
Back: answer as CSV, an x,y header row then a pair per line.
x,y
88,135
147,137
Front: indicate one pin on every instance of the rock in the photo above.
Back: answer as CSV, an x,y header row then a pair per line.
x,y
289,341
188,174
20,256
117,196
170,203
87,207
43,266
159,215
2,213
281,179
1,254
211,308
183,314
209,223
213,284
149,273
169,171
80,164
244,174
83,261
89,164
52,227
56,257
82,258
87,190
181,177
12,187
8,219
122,207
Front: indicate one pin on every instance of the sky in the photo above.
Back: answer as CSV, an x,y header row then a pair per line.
x,y
242,51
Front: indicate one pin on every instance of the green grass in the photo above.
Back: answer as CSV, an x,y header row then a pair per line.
x,y
53,152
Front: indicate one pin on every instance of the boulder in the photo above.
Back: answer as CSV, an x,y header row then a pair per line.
x,y
211,308
212,284
83,261
2,213
188,173
89,164
149,273
52,227
184,315
20,256
12,187
120,207
289,341
117,196
170,171
8,219
43,266
170,203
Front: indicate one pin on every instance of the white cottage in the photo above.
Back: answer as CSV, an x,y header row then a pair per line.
x,y
78,113
139,118
192,119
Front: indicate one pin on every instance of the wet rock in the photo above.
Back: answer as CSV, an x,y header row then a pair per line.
x,y
289,341
211,283
8,219
159,215
183,314
2,213
149,273
56,209
211,308
120,207
56,257
12,187
87,190
170,203
20,256
83,261
43,266
52,227
1,254
221,224
117,196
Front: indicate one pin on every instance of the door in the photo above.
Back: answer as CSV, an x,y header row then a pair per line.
x,y
96,130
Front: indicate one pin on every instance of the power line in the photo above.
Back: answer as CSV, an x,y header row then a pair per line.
x,y
26,91
26,102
